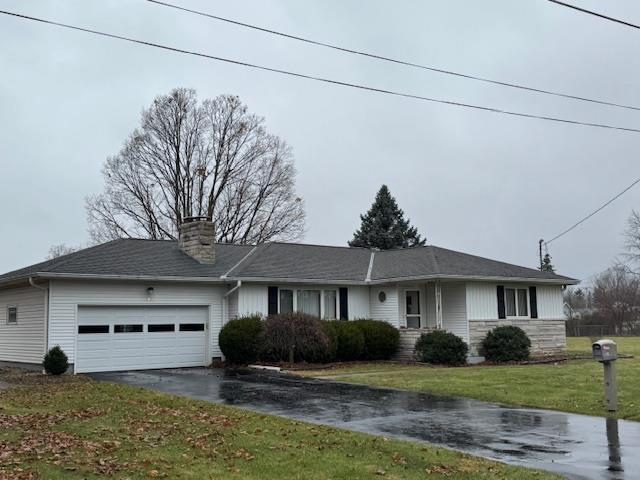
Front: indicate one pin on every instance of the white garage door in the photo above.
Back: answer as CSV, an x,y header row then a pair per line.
x,y
135,338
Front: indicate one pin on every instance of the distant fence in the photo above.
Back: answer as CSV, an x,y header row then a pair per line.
x,y
575,329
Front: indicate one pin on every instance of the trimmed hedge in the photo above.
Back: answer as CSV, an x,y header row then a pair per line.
x,y
239,339
55,361
294,336
441,348
347,340
381,340
505,344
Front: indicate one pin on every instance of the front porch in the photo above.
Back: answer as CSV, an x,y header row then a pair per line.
x,y
430,306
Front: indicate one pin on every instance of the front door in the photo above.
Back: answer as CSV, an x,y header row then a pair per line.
x,y
412,309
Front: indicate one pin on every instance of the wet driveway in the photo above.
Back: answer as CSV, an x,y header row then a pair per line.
x,y
576,446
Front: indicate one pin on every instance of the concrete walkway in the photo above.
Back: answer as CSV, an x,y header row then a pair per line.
x,y
577,446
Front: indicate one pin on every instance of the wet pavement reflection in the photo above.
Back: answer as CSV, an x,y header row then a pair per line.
x,y
577,446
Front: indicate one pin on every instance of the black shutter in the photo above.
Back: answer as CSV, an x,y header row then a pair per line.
x,y
273,300
533,302
501,312
344,303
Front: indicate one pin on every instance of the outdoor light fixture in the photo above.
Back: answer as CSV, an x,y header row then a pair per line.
x,y
149,293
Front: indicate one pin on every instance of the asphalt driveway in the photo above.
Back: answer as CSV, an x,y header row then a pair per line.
x,y
577,446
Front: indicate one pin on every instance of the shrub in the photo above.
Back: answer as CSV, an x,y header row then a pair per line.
x,y
239,339
332,335
296,335
347,339
441,348
55,361
381,339
506,343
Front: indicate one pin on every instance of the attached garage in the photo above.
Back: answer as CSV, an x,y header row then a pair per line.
x,y
113,338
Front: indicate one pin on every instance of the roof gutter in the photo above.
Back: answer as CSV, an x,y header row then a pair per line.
x,y
553,281
90,276
317,281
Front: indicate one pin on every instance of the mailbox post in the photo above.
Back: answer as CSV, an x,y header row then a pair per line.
x,y
606,352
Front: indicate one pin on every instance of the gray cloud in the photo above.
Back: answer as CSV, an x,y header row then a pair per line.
x,y
474,181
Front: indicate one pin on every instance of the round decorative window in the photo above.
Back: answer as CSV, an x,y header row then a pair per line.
x,y
382,296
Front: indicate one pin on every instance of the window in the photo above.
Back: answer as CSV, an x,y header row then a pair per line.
x,y
412,299
320,303
127,328
286,301
12,315
523,309
192,327
161,327
309,302
516,302
330,303
93,329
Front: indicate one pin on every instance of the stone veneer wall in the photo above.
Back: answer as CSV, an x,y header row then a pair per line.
x,y
408,339
548,337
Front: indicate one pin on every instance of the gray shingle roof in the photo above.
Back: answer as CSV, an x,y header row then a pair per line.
x,y
163,258
305,262
132,257
431,260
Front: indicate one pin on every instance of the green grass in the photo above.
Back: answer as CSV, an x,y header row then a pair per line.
x,y
573,386
75,428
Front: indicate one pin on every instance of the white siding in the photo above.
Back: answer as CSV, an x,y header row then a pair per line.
x,y
253,299
482,301
23,341
389,310
454,310
359,302
65,296
550,303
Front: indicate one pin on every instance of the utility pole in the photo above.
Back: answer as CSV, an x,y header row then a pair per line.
x,y
540,242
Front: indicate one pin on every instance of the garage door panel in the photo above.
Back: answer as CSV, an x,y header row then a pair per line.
x,y
128,348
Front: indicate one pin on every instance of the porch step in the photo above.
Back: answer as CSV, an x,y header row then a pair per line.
x,y
408,339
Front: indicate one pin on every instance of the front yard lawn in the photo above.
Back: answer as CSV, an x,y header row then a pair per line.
x,y
75,428
573,386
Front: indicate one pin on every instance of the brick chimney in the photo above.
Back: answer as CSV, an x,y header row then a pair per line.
x,y
197,237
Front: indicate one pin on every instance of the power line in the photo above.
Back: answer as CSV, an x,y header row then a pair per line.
x,y
321,79
595,14
608,202
392,60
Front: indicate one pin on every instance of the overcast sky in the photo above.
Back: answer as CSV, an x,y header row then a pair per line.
x,y
478,182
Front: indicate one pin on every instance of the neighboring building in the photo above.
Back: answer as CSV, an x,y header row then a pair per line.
x,y
138,304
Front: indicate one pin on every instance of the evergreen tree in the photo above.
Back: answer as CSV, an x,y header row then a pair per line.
x,y
547,266
384,226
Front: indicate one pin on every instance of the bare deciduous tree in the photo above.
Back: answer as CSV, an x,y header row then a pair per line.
x,y
616,295
60,249
632,237
199,159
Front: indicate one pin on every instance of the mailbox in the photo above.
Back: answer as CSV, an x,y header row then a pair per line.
x,y
605,350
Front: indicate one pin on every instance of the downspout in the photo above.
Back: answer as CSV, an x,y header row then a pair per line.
x,y
238,285
46,312
225,301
